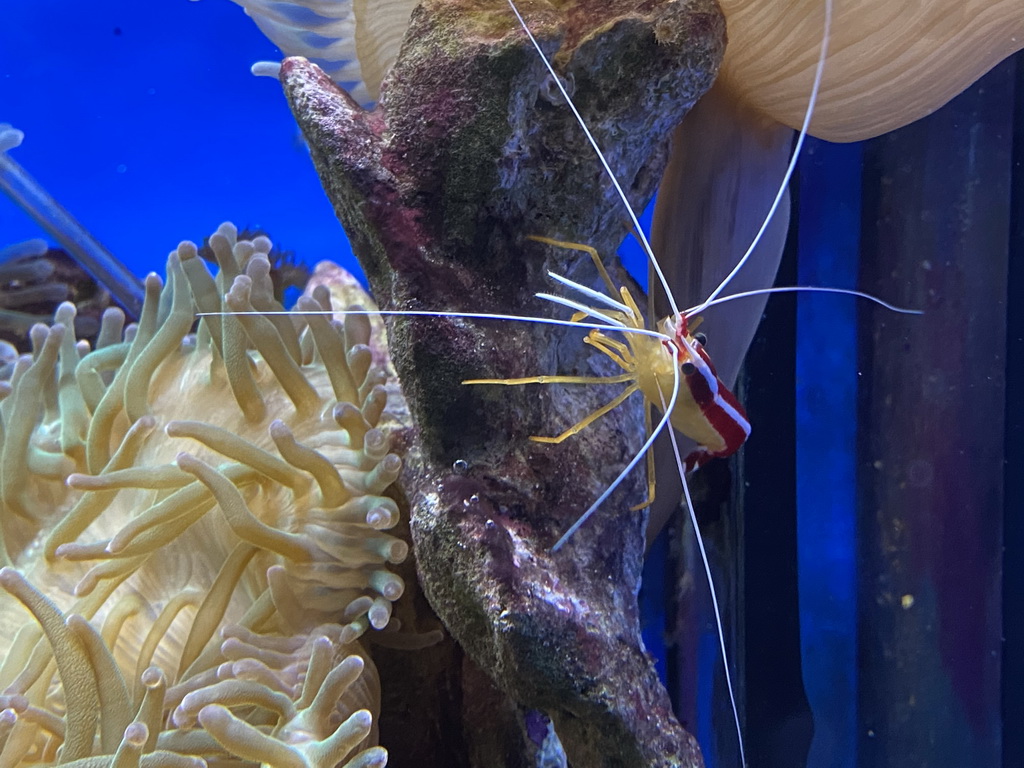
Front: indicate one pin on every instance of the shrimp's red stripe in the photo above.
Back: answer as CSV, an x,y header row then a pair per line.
x,y
720,410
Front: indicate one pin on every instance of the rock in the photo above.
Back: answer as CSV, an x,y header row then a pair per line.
x,y
470,150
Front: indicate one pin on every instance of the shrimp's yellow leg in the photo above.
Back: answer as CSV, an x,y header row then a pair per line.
x,y
592,417
650,463
611,348
602,342
629,301
585,249
622,377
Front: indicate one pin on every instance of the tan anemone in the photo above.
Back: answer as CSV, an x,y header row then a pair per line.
x,y
889,63
354,41
194,527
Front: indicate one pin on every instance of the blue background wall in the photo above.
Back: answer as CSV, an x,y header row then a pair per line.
x,y
144,121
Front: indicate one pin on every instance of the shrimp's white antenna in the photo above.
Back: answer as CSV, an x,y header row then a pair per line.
x,y
818,72
714,597
604,162
801,289
667,412
611,325
588,311
595,295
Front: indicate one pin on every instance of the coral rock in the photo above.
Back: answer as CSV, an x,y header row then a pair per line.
x,y
470,149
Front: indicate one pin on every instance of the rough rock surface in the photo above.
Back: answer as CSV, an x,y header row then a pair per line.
x,y
470,150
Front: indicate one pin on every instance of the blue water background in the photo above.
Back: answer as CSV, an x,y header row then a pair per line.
x,y
143,120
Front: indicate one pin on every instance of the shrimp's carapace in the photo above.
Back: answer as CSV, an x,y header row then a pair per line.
x,y
703,407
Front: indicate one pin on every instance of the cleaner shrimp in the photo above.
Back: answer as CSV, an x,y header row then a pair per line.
x,y
702,406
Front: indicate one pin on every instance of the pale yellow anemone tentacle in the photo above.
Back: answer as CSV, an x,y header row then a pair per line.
x,y
139,585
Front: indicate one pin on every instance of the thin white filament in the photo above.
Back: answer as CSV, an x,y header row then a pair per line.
x,y
792,163
604,163
714,596
588,311
801,289
595,295
667,413
460,315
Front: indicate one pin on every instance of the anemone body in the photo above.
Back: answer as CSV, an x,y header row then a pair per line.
x,y
194,530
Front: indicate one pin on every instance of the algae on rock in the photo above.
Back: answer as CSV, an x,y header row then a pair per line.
x,y
470,150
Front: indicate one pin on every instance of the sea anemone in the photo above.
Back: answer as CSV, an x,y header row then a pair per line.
x,y
355,43
193,527
34,279
889,63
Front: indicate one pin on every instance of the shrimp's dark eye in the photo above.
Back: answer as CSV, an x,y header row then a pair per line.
x,y
688,369
701,339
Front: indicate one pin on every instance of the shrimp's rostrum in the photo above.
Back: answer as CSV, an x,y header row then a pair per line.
x,y
704,410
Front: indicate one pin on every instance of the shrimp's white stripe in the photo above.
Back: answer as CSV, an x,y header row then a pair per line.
x,y
712,383
734,414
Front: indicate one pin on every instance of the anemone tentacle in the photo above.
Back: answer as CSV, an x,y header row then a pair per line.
x,y
195,531
354,42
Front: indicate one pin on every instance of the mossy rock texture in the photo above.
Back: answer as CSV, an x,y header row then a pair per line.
x,y
470,150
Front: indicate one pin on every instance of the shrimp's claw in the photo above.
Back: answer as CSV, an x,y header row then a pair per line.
x,y
697,458
701,455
